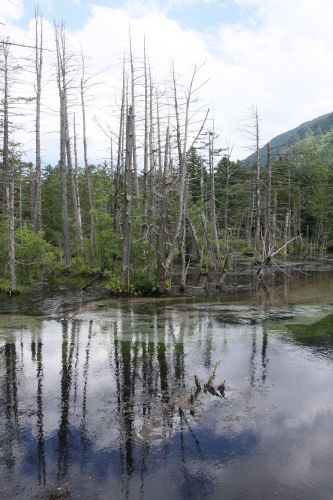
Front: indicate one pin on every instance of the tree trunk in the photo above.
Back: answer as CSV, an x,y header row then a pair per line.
x,y
182,155
257,183
212,199
11,239
62,161
86,164
163,229
120,154
135,163
77,190
125,265
268,229
37,216
5,148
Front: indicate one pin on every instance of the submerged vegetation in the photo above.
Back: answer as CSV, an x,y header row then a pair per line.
x,y
168,195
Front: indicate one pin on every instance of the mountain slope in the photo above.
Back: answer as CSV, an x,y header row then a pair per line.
x,y
314,128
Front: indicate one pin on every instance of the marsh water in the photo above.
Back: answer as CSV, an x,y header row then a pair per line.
x,y
99,401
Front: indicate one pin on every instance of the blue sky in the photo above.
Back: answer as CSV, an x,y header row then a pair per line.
x,y
196,14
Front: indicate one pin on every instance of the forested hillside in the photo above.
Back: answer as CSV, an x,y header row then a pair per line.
x,y
168,193
320,128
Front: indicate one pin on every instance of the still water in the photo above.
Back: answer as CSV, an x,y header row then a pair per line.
x,y
102,403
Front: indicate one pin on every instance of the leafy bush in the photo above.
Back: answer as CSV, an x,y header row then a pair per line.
x,y
78,265
32,253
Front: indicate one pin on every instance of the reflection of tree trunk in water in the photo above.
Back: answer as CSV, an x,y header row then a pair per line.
x,y
208,345
264,360
66,376
163,367
166,410
76,365
127,404
150,378
117,375
84,394
144,375
179,357
252,358
183,454
11,404
40,417
135,365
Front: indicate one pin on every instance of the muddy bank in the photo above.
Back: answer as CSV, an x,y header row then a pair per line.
x,y
296,281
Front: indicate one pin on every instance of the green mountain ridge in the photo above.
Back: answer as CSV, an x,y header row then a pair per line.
x,y
318,128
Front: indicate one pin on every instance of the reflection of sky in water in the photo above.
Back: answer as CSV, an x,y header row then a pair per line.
x,y
95,405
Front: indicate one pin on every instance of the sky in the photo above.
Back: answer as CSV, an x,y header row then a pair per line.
x,y
274,54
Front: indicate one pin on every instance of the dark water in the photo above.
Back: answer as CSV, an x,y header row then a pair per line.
x,y
98,404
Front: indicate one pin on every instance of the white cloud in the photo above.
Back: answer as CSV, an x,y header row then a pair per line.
x,y
279,59
10,10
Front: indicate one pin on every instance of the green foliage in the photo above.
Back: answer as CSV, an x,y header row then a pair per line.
x,y
78,266
142,283
114,285
33,253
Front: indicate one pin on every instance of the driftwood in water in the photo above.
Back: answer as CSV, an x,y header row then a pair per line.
x,y
95,278
269,259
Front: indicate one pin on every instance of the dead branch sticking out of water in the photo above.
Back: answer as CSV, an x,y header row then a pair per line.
x,y
268,260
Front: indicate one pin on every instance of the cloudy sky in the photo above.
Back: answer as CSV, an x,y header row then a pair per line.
x,y
276,54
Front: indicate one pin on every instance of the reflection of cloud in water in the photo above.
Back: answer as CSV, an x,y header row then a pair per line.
x,y
105,404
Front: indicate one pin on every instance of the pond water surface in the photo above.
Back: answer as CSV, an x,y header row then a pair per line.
x,y
102,403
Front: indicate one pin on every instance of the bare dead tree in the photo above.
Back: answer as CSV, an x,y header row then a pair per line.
x,y
163,225
182,146
87,169
269,243
37,213
125,265
62,161
120,155
133,99
5,145
211,153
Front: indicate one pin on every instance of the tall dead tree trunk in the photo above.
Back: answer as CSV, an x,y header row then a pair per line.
x,y
8,173
163,227
62,161
146,145
119,167
268,226
11,239
257,182
86,163
37,215
184,263
5,144
125,265
151,177
133,98
76,188
182,155
212,199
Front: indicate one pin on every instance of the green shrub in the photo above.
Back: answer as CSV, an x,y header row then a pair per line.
x,y
32,253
